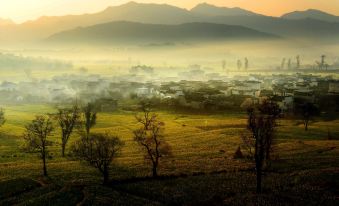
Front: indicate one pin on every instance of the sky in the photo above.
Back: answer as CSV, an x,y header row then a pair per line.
x,y
23,10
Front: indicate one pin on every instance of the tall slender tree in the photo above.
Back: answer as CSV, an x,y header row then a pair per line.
x,y
282,66
67,120
146,118
239,64
261,124
298,62
151,139
36,135
89,118
223,65
289,64
2,117
246,64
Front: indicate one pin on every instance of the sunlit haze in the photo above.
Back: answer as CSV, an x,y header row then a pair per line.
x,y
20,11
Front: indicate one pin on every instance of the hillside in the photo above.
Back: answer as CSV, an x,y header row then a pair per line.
x,y
130,32
312,14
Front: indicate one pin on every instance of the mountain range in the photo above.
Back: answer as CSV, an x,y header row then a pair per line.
x,y
308,24
132,32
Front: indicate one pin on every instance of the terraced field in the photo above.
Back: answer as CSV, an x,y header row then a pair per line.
x,y
202,170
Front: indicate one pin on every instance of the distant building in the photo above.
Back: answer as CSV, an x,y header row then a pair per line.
x,y
144,91
8,86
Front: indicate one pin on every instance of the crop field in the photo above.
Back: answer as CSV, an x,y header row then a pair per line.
x,y
201,170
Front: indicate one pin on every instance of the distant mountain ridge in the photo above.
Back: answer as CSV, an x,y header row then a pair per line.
x,y
312,14
140,33
170,15
211,10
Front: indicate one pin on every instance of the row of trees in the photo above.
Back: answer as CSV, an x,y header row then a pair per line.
x,y
240,65
322,64
289,63
100,149
97,149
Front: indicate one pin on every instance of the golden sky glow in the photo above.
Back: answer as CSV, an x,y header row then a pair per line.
x,y
21,10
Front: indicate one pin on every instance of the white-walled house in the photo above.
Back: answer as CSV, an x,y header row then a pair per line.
x,y
144,91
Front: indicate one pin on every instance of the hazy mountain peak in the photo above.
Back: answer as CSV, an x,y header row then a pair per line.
x,y
212,10
313,14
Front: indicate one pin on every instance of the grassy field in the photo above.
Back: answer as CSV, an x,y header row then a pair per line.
x,y
202,171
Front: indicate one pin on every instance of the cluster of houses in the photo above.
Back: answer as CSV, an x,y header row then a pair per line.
x,y
289,91
213,92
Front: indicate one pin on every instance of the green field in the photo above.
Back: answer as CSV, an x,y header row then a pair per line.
x,y
202,170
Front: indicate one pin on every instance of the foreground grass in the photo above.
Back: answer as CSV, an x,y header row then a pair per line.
x,y
203,171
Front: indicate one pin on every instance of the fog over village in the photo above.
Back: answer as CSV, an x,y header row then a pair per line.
x,y
154,104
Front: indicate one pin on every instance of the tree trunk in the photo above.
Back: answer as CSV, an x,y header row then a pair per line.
x,y
87,132
259,179
63,146
259,159
306,125
154,170
44,163
106,175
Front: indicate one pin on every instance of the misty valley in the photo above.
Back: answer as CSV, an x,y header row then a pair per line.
x,y
152,104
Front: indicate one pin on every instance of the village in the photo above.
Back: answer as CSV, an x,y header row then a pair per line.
x,y
193,90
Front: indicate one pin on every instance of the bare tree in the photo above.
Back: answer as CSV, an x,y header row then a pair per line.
x,y
298,62
150,138
36,135
223,65
323,62
2,117
246,63
90,118
239,64
261,123
282,66
289,64
67,119
147,117
98,150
